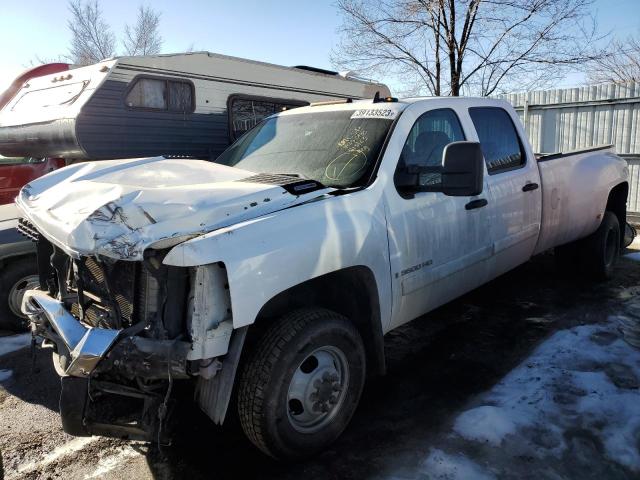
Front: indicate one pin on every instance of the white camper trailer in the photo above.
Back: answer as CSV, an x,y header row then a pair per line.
x,y
191,104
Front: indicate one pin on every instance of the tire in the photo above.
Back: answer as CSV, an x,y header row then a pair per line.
x,y
313,347
17,275
600,251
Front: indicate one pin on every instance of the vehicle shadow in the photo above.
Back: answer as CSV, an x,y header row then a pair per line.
x,y
436,365
33,379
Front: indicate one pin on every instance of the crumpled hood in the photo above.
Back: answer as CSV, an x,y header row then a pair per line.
x,y
119,208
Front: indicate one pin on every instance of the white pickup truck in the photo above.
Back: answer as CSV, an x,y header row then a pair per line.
x,y
290,258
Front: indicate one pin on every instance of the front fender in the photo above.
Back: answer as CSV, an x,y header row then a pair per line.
x,y
270,254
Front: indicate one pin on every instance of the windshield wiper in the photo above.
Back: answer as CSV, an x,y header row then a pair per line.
x,y
295,184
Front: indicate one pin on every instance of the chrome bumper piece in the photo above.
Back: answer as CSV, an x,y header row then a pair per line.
x,y
85,346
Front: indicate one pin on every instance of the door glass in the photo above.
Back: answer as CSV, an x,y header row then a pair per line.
x,y
498,139
425,144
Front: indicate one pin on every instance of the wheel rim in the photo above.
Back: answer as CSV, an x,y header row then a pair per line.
x,y
17,292
610,248
317,389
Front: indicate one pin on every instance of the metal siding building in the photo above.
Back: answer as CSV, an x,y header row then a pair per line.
x,y
574,118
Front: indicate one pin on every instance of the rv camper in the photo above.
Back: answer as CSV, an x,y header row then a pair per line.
x,y
192,104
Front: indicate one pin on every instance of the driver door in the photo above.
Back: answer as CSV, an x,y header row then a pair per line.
x,y
439,243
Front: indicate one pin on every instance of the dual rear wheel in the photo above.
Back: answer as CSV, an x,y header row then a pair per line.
x,y
595,255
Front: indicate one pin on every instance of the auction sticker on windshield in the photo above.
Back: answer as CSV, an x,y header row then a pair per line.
x,y
382,113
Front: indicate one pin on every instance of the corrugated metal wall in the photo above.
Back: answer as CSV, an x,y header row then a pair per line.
x,y
633,205
562,120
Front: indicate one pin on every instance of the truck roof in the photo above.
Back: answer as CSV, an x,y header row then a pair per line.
x,y
398,105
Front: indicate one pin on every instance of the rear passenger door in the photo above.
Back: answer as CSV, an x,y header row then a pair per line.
x,y
514,187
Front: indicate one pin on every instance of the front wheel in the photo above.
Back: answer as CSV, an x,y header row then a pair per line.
x,y
302,383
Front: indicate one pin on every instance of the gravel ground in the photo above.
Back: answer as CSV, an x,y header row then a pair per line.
x,y
446,375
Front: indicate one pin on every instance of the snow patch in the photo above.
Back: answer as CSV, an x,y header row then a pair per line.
x,y
440,465
587,376
72,447
485,424
633,256
109,463
13,343
5,375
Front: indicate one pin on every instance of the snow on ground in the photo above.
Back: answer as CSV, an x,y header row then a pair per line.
x,y
13,343
633,256
575,397
445,466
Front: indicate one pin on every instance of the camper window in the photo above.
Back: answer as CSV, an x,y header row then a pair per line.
x,y
161,94
246,112
50,97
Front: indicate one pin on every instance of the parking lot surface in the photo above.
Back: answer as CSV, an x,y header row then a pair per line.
x,y
531,376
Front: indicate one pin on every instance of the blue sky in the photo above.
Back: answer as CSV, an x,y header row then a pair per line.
x,y
286,32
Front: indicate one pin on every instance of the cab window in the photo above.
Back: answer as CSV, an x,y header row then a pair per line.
x,y
431,133
499,139
247,112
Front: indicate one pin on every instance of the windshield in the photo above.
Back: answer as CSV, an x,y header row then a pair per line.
x,y
336,148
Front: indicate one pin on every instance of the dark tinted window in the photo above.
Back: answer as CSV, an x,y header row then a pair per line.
x,y
425,144
498,139
161,94
246,112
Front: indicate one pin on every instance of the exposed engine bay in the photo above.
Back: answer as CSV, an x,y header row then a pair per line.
x,y
121,333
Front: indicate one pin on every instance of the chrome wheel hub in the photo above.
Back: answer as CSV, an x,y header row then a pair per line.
x,y
317,389
16,293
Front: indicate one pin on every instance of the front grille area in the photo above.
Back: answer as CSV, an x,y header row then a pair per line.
x,y
108,291
101,293
27,229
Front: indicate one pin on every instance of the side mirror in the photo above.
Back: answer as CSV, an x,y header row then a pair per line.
x,y
461,173
462,169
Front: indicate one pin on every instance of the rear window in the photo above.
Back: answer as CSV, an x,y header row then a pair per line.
x,y
161,94
55,96
499,140
247,112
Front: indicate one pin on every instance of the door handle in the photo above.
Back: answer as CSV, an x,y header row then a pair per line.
x,y
473,204
529,187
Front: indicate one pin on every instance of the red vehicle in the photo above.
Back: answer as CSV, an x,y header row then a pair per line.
x,y
17,172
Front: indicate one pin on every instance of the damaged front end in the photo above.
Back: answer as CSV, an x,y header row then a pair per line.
x,y
122,333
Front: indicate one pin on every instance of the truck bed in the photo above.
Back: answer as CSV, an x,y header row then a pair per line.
x,y
575,188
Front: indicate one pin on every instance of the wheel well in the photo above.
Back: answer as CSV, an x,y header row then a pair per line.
x,y
617,203
351,292
4,261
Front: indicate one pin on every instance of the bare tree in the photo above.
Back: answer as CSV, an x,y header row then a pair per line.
x,y
143,38
92,39
474,46
620,64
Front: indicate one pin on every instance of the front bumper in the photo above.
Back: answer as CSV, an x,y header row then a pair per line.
x,y
102,372
84,346
90,350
